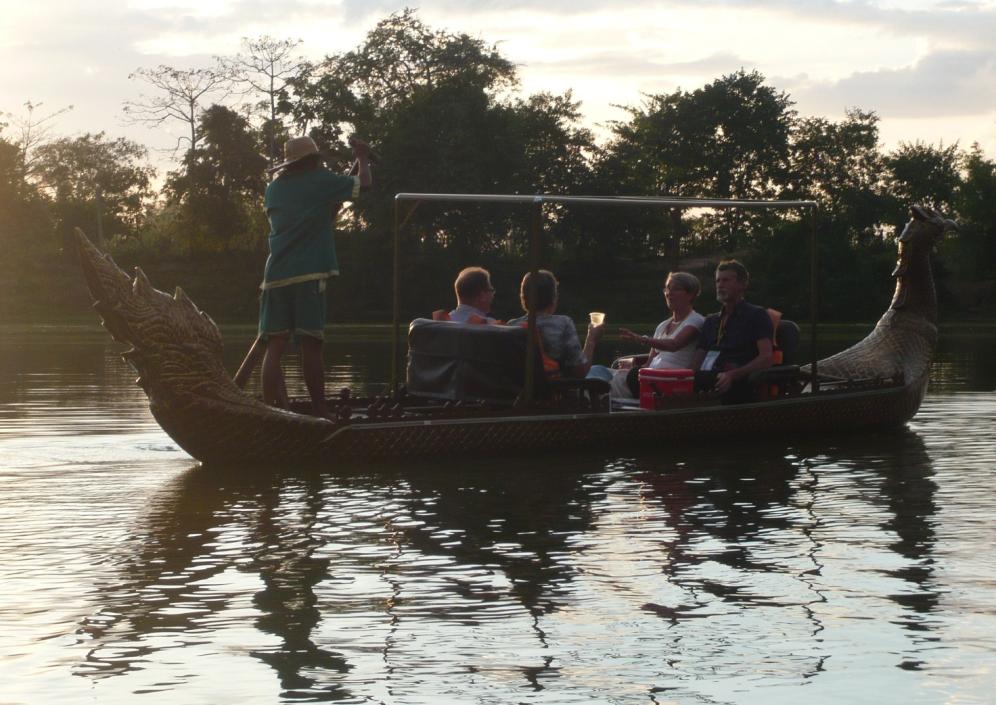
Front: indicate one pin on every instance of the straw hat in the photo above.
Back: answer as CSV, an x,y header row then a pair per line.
x,y
296,149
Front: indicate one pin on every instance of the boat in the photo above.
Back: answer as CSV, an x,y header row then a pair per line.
x,y
878,383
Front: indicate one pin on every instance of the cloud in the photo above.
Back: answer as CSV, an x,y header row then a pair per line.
x,y
640,66
965,24
908,60
943,84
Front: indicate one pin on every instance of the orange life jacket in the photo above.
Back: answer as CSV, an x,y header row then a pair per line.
x,y
777,356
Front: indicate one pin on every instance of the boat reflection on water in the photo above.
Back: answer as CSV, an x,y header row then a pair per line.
x,y
390,583
767,532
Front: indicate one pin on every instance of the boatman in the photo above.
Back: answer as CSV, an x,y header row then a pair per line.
x,y
301,204
734,342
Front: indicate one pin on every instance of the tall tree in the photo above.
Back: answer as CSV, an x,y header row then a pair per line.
x,y
839,165
398,60
264,68
222,182
401,55
426,97
33,128
180,95
728,139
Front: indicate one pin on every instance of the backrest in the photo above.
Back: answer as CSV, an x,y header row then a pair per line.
x,y
460,361
787,340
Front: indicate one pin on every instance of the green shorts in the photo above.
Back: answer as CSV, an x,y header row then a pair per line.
x,y
295,308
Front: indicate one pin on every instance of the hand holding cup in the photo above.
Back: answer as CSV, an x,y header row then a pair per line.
x,y
596,324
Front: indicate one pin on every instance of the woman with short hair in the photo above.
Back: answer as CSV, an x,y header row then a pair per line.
x,y
672,345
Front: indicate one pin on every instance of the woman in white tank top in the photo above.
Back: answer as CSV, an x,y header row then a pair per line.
x,y
673,342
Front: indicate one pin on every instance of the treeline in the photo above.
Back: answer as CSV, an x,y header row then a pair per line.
x,y
445,115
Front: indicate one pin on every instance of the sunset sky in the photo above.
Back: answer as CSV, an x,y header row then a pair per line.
x,y
927,68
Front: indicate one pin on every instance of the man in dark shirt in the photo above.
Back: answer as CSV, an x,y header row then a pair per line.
x,y
736,341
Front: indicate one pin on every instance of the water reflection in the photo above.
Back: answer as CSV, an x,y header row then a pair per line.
x,y
692,575
369,585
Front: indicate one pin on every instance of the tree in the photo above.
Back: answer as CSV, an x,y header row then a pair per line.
x,y
921,174
398,60
401,55
265,69
33,130
839,165
180,95
402,64
98,184
728,139
975,198
25,225
222,183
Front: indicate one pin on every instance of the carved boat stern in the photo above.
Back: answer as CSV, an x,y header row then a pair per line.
x,y
902,344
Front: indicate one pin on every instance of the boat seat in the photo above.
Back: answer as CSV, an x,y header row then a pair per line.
x,y
466,362
783,376
786,342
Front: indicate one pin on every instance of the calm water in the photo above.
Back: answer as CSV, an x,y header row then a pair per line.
x,y
853,570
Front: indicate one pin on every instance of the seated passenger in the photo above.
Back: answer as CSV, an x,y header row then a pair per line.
x,y
734,342
558,336
474,295
673,343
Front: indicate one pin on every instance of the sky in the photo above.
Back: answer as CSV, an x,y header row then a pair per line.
x,y
927,68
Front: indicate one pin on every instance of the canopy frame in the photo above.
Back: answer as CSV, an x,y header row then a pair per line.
x,y
535,246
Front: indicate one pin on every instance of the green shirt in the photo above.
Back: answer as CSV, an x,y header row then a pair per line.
x,y
300,208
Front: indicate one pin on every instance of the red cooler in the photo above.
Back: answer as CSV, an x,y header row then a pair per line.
x,y
663,383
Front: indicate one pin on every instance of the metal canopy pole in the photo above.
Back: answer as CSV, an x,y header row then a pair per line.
x,y
532,335
396,304
396,328
814,302
606,200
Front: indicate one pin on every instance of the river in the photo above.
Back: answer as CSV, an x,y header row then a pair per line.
x,y
857,569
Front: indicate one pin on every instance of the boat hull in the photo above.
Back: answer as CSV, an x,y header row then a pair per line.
x,y
838,412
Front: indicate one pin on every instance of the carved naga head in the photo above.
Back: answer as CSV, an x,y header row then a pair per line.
x,y
174,344
914,282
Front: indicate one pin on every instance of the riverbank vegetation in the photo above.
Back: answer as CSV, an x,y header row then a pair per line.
x,y
445,114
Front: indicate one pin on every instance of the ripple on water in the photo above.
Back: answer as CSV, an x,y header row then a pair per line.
x,y
825,569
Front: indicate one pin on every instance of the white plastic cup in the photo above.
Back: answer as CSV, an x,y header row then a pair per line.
x,y
597,318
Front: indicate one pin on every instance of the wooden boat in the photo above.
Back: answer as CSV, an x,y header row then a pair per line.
x,y
176,348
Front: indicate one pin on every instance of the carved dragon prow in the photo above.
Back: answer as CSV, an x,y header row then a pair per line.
x,y
902,344
177,350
